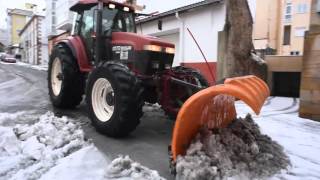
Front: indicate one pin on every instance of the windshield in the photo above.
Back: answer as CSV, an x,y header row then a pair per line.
x,y
117,20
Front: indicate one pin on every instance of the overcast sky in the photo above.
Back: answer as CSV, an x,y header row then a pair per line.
x,y
151,5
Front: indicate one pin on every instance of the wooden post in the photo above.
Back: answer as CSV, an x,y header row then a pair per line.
x,y
310,80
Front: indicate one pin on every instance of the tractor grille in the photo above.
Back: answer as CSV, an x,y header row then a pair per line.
x,y
148,62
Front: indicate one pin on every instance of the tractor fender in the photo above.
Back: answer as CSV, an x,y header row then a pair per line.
x,y
78,50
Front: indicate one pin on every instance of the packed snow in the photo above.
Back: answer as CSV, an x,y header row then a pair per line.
x,y
239,151
36,67
50,147
300,139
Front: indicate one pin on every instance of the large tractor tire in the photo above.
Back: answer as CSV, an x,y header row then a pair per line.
x,y
179,93
201,80
65,81
114,99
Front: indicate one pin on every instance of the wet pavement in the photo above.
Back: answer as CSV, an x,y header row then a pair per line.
x,y
25,89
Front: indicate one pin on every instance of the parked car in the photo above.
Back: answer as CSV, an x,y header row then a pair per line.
x,y
8,58
2,55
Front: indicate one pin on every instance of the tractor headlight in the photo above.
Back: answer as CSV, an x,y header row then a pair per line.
x,y
154,48
170,50
126,9
112,6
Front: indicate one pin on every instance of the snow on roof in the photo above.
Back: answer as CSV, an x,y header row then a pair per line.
x,y
180,10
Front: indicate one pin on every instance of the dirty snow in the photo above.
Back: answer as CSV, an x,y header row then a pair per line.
x,y
239,151
36,67
300,139
50,147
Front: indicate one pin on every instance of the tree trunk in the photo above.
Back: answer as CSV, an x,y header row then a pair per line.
x,y
239,56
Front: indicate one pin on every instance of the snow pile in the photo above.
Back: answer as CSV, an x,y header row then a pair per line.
x,y
50,147
27,151
300,137
35,67
124,168
239,151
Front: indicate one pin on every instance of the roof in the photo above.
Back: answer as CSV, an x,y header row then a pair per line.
x,y
180,10
29,22
81,4
19,12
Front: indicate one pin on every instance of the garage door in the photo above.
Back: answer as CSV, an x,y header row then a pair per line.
x,y
286,84
173,38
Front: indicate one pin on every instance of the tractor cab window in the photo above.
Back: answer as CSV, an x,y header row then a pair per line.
x,y
87,29
118,21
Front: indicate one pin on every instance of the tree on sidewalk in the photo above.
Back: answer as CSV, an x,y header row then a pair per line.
x,y
238,49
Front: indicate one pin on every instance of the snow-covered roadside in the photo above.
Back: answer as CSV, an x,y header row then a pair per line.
x,y
49,147
36,67
299,137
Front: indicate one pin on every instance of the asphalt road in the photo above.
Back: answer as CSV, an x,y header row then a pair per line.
x,y
25,89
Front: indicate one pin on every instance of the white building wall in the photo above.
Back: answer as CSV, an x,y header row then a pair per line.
x,y
35,52
63,15
204,23
44,44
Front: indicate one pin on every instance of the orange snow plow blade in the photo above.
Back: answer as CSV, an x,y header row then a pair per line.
x,y
214,107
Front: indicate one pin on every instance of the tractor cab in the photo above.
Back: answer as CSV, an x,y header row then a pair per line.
x,y
116,17
108,31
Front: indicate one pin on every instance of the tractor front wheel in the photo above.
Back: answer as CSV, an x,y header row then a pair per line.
x,y
114,99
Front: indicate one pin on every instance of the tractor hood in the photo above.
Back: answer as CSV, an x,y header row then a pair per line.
x,y
138,42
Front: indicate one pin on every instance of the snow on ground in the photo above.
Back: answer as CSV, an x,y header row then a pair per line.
x,y
299,137
49,147
36,67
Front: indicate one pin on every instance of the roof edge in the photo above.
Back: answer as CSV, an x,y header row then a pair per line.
x,y
179,10
28,23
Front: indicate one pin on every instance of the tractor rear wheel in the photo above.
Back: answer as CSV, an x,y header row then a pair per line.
x,y
114,99
65,81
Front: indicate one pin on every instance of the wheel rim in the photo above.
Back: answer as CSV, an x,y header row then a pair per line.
x,y
56,76
103,99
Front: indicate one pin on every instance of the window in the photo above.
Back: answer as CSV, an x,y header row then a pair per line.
x,y
117,20
288,12
300,31
287,35
302,8
87,29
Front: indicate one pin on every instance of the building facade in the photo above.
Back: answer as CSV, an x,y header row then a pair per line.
x,y
280,26
4,39
59,20
203,21
58,16
33,41
310,80
17,19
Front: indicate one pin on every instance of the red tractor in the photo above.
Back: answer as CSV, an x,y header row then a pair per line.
x,y
117,69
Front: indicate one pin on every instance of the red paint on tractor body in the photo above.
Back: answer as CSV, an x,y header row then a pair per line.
x,y
118,38
137,41
80,53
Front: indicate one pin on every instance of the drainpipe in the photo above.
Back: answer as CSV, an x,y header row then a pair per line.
x,y
181,38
